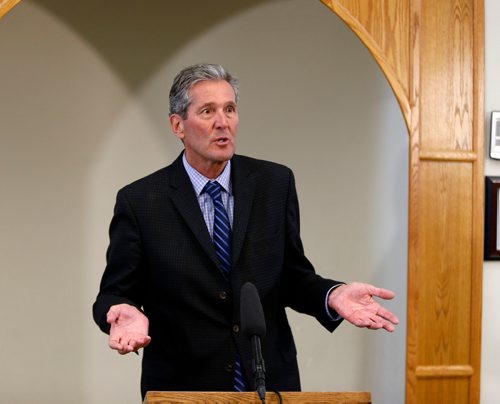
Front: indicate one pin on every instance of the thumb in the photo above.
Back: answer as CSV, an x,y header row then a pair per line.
x,y
112,315
383,293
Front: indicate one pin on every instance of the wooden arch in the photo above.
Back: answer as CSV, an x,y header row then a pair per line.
x,y
432,55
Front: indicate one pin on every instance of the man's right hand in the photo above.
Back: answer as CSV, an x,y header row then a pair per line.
x,y
129,328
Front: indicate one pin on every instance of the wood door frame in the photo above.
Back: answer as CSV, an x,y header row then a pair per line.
x,y
402,36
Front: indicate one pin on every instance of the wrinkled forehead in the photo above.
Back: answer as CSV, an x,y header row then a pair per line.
x,y
212,91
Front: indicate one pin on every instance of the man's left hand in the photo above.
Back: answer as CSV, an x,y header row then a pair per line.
x,y
355,303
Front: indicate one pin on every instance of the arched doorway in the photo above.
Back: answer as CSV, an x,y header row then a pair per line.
x,y
441,100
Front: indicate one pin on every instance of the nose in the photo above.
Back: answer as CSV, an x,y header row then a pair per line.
x,y
221,120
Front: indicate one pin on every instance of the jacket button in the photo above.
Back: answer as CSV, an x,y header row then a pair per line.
x,y
229,367
236,328
222,295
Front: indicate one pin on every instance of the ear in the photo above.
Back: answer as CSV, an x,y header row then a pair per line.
x,y
177,125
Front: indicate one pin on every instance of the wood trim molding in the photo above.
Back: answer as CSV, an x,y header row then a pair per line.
x,y
444,371
448,155
413,204
478,200
212,397
444,115
398,84
6,6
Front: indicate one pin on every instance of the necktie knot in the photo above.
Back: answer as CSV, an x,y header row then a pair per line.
x,y
213,188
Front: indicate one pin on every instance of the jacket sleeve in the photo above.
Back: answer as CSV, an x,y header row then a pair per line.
x,y
122,281
306,291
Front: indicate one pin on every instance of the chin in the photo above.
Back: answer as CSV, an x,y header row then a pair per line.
x,y
225,156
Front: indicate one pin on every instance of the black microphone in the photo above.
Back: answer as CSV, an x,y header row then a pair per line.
x,y
253,326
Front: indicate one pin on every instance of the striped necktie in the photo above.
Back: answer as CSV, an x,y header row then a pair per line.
x,y
222,227
222,242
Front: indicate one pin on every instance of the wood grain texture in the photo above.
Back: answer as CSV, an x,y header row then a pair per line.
x,y
477,202
444,371
413,206
445,258
448,155
6,6
444,47
447,74
443,391
157,397
383,28
387,22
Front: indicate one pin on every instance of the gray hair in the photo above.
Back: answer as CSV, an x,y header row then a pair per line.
x,y
189,76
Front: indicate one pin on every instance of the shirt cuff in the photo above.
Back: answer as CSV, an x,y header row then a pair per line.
x,y
333,315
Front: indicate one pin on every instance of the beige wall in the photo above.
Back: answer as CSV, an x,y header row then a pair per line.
x,y
490,369
83,106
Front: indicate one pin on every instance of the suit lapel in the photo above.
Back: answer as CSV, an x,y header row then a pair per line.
x,y
243,191
184,199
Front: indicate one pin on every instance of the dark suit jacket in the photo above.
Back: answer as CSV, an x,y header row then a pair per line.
x,y
161,259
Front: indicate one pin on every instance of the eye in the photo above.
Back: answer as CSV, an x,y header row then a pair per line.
x,y
231,108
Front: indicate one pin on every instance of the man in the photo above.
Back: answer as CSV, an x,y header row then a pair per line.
x,y
185,239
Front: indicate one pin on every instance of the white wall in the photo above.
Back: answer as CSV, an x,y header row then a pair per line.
x,y
83,104
490,369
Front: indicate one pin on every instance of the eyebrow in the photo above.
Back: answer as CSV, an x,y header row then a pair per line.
x,y
211,104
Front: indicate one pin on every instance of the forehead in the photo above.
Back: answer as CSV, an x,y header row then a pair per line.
x,y
212,91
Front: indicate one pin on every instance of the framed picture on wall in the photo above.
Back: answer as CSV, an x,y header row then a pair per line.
x,y
492,219
495,135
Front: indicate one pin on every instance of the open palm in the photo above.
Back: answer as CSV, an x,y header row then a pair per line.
x,y
355,302
129,328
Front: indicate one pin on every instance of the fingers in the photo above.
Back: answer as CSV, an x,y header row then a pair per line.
x,y
374,319
127,344
386,325
384,319
144,342
128,347
377,323
116,345
355,303
382,293
387,315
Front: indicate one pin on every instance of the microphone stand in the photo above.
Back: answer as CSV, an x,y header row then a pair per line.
x,y
253,326
259,369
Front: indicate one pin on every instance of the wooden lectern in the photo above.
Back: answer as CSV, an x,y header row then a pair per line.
x,y
179,397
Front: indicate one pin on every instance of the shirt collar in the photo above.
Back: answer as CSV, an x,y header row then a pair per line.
x,y
199,180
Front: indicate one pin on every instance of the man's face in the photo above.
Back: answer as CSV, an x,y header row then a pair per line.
x,y
209,131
